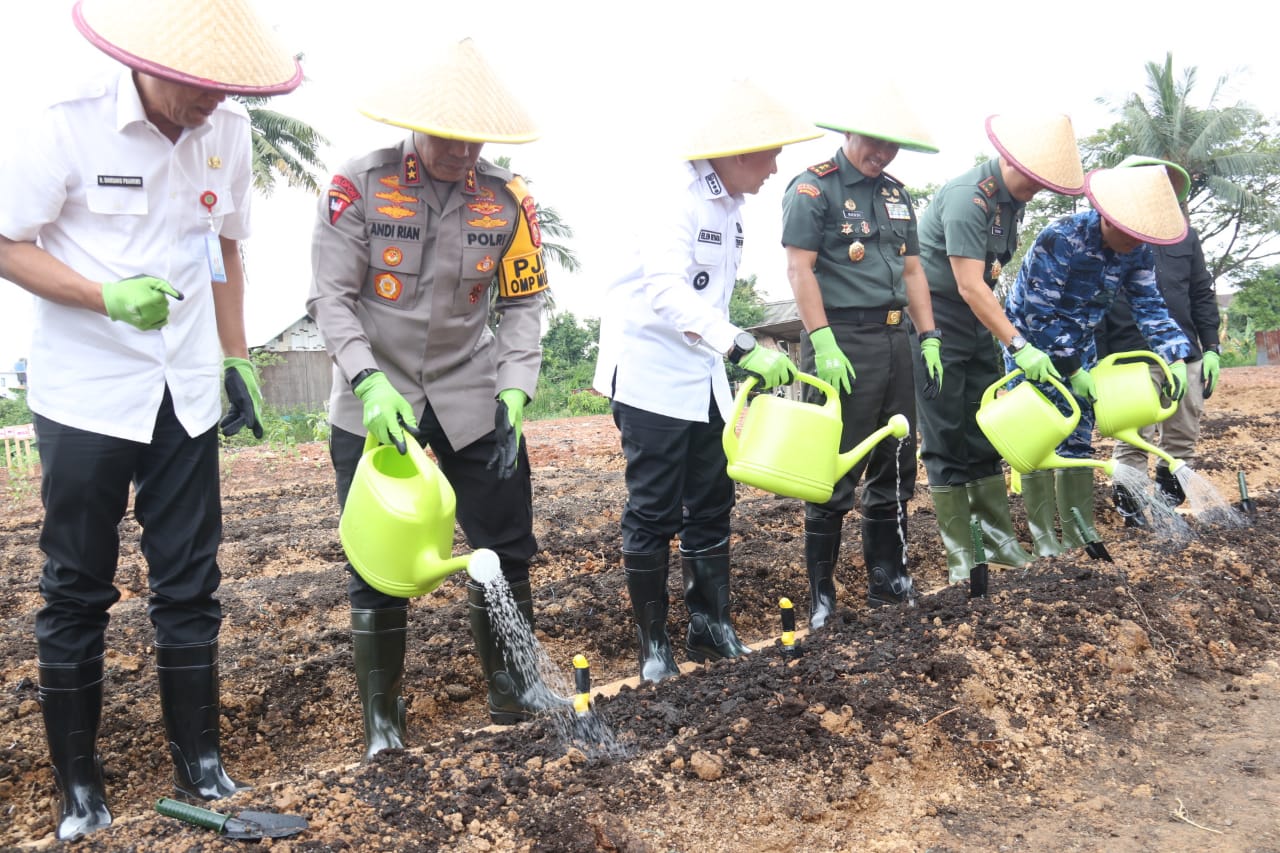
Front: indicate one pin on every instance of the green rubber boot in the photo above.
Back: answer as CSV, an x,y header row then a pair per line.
x,y
1041,505
989,503
951,504
1075,489
378,643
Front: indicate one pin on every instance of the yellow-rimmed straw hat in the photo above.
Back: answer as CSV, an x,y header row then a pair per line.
x,y
882,114
454,95
1177,175
745,118
1042,147
209,44
1139,200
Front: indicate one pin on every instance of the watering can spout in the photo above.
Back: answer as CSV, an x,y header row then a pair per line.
x,y
481,565
1108,466
896,427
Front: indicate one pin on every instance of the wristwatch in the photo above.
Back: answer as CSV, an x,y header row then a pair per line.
x,y
743,343
1016,343
929,335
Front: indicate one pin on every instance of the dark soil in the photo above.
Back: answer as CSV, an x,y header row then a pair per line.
x,y
1082,705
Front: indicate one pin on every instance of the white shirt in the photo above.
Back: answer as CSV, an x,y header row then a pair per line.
x,y
675,291
97,186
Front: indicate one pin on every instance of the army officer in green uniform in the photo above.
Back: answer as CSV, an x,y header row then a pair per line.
x,y
853,263
967,234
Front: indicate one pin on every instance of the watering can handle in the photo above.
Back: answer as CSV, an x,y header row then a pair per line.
x,y
412,449
1147,355
990,393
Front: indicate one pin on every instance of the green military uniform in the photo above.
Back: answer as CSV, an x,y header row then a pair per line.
x,y
863,229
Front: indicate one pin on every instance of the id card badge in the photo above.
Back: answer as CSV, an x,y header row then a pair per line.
x,y
213,251
212,245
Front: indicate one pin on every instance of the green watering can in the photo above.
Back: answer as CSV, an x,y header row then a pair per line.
x,y
792,448
1025,427
397,525
1128,400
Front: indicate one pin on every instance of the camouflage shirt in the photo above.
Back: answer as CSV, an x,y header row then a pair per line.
x,y
1067,283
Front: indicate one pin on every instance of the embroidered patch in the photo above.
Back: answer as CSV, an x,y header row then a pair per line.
x,y
338,203
701,280
390,181
392,256
809,190
395,211
989,186
712,237
344,185
388,286
469,185
398,197
530,208
713,184
982,203
824,169
488,222
485,265
485,204
412,172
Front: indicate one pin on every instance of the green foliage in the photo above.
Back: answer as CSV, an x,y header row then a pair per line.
x,y
14,412
568,362
283,146
283,429
746,309
1258,302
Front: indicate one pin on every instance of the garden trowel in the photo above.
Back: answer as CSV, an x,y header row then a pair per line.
x,y
247,825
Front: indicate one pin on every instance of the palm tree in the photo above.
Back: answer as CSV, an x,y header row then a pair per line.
x,y
283,147
1228,151
551,225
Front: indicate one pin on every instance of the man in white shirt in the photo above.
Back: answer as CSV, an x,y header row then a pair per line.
x,y
662,351
134,193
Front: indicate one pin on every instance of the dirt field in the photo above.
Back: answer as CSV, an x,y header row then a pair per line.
x,y
1083,705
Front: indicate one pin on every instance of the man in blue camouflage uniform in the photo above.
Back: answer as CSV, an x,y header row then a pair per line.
x,y
853,261
1067,282
967,235
1187,287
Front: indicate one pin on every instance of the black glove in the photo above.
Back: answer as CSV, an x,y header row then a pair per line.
x,y
244,399
508,421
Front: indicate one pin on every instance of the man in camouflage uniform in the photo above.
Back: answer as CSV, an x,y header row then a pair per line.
x,y
853,263
1068,280
407,244
967,234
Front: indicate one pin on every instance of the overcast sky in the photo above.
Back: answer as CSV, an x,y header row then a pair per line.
x,y
612,88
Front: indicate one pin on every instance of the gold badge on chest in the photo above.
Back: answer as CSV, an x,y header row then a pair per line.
x,y
857,251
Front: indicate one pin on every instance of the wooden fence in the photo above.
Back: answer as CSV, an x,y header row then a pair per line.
x,y
17,448
300,380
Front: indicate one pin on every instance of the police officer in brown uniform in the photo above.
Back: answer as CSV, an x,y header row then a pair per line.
x,y
853,262
408,242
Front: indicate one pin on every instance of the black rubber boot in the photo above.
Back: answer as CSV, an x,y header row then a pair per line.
x,y
378,641
883,549
1168,487
989,505
821,548
506,685
647,583
706,594
188,677
1127,506
71,702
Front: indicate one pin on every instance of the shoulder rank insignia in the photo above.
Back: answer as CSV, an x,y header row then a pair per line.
x,y
824,169
412,171
989,186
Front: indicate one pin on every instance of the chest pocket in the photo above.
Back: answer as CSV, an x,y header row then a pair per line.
x,y
117,207
709,254
482,251
395,268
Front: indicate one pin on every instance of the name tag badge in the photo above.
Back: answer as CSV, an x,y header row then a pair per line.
x,y
213,251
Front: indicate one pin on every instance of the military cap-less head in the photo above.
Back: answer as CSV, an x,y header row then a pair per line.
x,y
744,119
882,114
1177,175
454,95
1139,200
1041,147
210,44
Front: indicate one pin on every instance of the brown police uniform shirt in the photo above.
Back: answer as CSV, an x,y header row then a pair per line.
x,y
400,282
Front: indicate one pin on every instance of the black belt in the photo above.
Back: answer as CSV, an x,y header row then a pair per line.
x,y
879,316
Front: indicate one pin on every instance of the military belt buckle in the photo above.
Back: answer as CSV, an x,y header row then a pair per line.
x,y
894,318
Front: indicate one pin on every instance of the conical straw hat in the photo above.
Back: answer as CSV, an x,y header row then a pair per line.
x,y
1139,200
1177,175
1041,147
210,44
745,119
454,95
883,114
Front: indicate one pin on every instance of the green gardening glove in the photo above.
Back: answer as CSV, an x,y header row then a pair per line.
x,y
244,397
931,355
1083,386
1209,370
386,412
141,301
1175,389
508,425
831,365
770,366
1035,364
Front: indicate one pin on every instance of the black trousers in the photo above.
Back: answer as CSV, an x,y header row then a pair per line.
x,y
676,480
494,514
85,490
955,451
882,359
